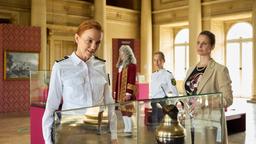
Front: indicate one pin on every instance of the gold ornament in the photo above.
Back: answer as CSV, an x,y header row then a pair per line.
x,y
170,130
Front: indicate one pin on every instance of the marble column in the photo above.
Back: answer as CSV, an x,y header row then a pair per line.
x,y
146,39
195,27
218,53
253,98
156,38
38,18
100,16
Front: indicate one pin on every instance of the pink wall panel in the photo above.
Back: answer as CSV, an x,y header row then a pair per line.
x,y
14,94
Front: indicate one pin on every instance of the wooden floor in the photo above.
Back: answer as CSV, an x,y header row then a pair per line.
x,y
15,127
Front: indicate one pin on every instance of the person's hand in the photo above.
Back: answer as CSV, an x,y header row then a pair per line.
x,y
114,141
180,105
191,106
114,95
127,97
158,105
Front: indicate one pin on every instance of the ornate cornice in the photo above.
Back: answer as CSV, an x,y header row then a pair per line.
x,y
122,14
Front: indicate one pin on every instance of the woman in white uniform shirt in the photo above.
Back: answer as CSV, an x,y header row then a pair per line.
x,y
162,83
80,80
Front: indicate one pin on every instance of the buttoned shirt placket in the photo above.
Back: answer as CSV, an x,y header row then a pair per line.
x,y
87,86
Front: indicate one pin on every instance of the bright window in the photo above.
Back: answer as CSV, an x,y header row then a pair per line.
x,y
243,30
181,46
239,58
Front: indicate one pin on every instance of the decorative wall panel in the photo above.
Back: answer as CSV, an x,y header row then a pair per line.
x,y
14,94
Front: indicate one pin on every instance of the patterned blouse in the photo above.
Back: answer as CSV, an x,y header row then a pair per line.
x,y
193,80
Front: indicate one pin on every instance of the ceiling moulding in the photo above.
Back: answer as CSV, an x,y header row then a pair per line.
x,y
227,7
65,19
173,16
167,4
215,2
60,29
70,9
85,8
122,14
19,5
168,1
67,15
176,24
233,16
78,1
14,8
169,10
170,22
13,16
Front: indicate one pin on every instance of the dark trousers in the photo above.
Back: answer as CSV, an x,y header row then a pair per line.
x,y
157,113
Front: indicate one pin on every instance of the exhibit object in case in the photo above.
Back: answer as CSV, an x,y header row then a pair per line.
x,y
200,119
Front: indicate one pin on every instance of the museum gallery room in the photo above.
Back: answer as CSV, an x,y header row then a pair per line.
x,y
163,101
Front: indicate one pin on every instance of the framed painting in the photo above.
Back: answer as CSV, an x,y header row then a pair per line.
x,y
17,65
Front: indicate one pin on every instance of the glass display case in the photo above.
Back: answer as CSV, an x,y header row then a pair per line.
x,y
39,83
185,119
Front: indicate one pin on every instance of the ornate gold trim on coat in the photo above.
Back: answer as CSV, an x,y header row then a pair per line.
x,y
132,87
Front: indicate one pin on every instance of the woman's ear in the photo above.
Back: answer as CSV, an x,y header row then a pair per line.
x,y
76,38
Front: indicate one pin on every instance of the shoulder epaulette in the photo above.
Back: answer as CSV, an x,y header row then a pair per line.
x,y
100,59
65,57
169,71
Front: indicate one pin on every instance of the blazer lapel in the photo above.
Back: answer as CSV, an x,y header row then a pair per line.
x,y
190,70
207,74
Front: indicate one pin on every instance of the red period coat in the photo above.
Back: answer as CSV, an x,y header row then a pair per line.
x,y
126,84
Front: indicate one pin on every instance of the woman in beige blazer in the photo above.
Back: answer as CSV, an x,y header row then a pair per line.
x,y
214,79
208,76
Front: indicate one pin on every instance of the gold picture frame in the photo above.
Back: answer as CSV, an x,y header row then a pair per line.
x,y
17,64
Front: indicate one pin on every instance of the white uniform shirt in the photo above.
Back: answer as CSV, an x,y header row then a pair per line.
x,y
79,84
161,84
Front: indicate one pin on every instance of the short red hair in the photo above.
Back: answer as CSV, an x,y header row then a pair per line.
x,y
88,24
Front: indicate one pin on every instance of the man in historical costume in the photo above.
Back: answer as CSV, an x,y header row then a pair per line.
x,y
125,85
